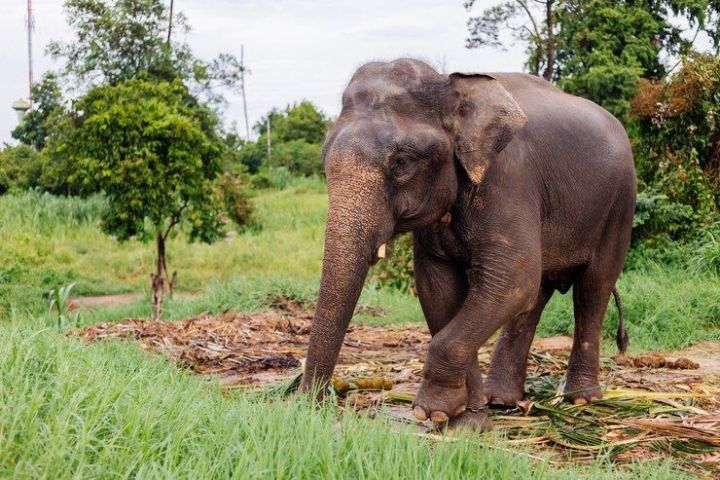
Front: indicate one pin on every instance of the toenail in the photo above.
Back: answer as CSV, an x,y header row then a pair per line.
x,y
419,413
439,417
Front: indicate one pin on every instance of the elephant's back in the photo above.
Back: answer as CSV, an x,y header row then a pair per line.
x,y
578,128
576,159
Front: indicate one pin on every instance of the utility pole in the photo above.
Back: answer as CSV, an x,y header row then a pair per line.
x,y
269,143
170,22
30,28
242,89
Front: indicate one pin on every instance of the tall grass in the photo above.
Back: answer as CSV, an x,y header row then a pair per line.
x,y
68,410
52,241
111,410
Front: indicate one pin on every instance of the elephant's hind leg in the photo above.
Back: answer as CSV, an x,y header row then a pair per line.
x,y
505,385
591,294
442,288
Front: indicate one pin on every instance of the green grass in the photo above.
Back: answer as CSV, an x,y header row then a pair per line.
x,y
109,410
49,242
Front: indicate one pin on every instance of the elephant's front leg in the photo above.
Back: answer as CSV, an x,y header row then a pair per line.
x,y
442,286
504,287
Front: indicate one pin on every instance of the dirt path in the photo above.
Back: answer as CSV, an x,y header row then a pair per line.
x,y
651,401
118,300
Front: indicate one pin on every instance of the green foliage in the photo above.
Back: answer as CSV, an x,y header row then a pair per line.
x,y
396,271
47,103
299,157
297,134
597,49
21,167
119,40
60,303
608,46
151,148
300,121
235,195
678,147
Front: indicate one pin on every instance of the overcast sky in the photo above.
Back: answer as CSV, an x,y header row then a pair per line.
x,y
294,49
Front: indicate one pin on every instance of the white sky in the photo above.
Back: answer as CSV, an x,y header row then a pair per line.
x,y
294,49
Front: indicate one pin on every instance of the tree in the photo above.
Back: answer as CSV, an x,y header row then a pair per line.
x,y
20,167
531,22
606,47
152,149
598,49
119,40
300,121
297,134
47,102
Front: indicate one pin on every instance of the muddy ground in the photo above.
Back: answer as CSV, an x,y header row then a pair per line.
x,y
660,404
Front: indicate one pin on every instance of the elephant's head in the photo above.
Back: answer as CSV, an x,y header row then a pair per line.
x,y
406,140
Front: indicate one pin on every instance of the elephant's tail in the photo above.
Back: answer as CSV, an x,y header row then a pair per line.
x,y
621,337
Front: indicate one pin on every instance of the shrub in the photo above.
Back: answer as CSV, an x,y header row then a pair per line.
x,y
236,198
677,148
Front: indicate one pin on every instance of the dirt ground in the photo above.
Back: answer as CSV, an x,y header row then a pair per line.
x,y
654,405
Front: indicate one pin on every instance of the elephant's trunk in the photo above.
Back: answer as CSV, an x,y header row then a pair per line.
x,y
357,225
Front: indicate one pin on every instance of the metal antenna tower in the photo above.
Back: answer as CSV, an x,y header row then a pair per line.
x,y
30,28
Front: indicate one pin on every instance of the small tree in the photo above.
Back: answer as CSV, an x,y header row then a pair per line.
x,y
153,150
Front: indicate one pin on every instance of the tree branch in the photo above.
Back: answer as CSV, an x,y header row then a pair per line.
x,y
174,220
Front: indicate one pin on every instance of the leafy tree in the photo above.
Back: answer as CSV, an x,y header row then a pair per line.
x,y
606,47
119,40
47,102
19,167
300,121
297,133
299,157
153,151
531,22
598,49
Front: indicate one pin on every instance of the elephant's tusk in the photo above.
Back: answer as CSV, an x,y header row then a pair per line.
x,y
381,251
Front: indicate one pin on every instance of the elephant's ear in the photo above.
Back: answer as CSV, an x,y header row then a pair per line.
x,y
486,118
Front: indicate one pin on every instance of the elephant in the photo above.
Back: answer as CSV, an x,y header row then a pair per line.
x,y
512,189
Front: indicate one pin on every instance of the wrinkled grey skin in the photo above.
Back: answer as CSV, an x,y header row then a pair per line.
x,y
540,187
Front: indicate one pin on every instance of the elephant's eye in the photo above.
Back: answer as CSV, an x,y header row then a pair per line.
x,y
402,167
399,162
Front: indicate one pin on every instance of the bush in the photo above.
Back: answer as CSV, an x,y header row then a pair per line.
x,y
677,149
236,198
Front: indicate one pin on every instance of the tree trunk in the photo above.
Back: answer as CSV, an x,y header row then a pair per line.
x,y
157,279
550,48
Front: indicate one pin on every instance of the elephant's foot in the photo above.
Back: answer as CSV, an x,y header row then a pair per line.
x,y
440,402
503,390
581,390
472,420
